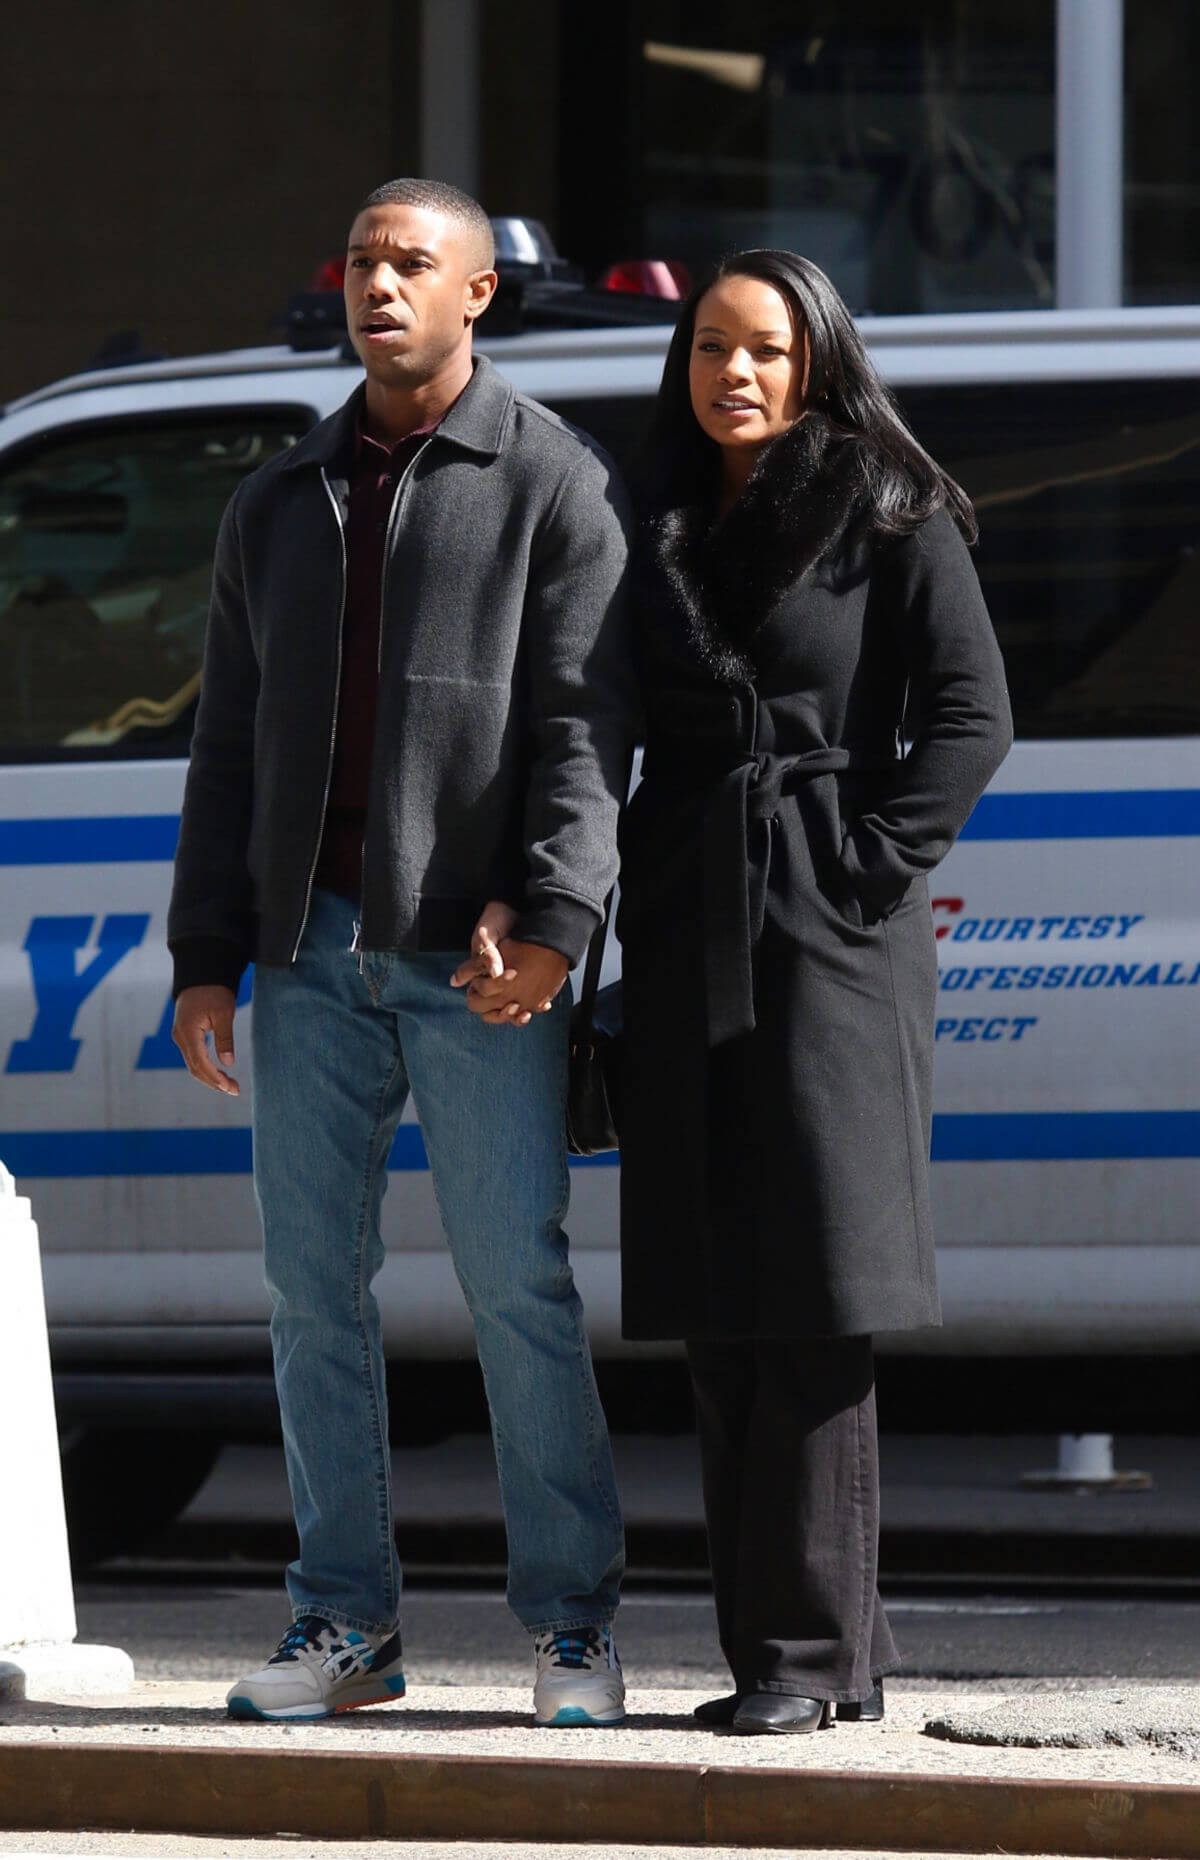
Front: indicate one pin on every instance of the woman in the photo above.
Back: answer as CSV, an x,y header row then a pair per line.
x,y
806,604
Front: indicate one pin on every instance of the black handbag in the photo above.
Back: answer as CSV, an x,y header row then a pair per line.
x,y
595,1059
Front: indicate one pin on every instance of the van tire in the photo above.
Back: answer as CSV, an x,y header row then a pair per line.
x,y
122,1486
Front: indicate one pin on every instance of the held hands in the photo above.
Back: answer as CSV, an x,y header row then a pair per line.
x,y
199,1012
508,982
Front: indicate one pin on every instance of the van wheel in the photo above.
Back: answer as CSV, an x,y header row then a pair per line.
x,y
121,1486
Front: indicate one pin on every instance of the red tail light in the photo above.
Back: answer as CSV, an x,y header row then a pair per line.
x,y
330,276
648,277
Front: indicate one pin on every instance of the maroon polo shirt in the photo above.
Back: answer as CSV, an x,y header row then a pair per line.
x,y
375,472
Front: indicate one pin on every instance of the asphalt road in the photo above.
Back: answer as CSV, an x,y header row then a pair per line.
x,y
953,1508
929,1481
207,1631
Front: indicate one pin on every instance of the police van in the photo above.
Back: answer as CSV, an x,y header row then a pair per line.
x,y
1066,1137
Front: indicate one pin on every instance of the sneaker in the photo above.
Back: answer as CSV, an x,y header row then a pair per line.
x,y
579,1678
318,1669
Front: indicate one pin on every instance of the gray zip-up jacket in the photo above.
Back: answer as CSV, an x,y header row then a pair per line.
x,y
506,694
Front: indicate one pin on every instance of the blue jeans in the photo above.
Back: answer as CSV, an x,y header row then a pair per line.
x,y
336,1053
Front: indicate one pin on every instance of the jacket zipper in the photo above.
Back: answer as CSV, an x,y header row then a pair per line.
x,y
393,519
392,522
337,691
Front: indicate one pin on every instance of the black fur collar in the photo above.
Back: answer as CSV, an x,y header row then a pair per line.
x,y
722,580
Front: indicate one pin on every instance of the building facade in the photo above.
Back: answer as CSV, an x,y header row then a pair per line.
x,y
174,173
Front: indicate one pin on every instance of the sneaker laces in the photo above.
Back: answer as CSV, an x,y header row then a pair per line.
x,y
304,1633
573,1650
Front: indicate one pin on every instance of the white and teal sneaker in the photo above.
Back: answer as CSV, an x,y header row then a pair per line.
x,y
579,1678
318,1669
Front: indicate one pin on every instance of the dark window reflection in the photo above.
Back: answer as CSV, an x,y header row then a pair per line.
x,y
1089,510
619,425
106,546
908,150
1162,153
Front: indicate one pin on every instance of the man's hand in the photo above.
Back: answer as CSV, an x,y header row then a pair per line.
x,y
199,1012
493,965
531,977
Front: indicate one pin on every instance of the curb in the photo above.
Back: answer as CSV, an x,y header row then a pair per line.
x,y
361,1796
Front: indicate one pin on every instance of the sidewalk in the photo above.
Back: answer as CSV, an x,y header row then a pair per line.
x,y
466,1764
460,1760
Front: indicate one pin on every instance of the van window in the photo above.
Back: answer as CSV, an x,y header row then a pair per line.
x,y
1088,496
106,545
618,423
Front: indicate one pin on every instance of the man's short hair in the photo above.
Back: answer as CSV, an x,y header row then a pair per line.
x,y
450,202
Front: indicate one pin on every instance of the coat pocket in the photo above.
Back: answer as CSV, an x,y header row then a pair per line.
x,y
875,878
824,837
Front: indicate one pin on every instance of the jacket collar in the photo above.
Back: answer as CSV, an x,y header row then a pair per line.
x,y
721,581
477,422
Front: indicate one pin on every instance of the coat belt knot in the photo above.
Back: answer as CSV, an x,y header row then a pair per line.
x,y
747,786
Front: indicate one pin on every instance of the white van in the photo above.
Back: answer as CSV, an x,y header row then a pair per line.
x,y
1067,1127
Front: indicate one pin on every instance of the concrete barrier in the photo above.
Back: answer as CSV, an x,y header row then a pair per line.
x,y
38,1652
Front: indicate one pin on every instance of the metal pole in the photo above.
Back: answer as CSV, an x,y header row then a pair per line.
x,y
1089,158
450,92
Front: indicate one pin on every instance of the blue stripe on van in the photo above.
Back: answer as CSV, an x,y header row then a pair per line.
x,y
1007,1136
110,839
58,1153
1063,1136
1117,814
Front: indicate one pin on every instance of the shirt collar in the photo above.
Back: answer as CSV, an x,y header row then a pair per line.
x,y
477,422
366,448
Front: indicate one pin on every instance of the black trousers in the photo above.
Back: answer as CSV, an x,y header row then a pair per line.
x,y
789,1456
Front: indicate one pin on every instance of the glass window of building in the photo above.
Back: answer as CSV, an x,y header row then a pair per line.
x,y
909,150
1162,152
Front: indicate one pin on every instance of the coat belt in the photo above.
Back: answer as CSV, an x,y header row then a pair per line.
x,y
747,789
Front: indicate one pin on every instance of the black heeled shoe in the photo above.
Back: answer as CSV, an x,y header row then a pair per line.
x,y
861,1711
764,1712
864,1711
718,1711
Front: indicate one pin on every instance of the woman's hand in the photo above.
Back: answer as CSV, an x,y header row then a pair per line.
x,y
495,922
531,978
496,963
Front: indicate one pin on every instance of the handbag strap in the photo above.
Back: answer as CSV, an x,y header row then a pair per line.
x,y
594,963
595,955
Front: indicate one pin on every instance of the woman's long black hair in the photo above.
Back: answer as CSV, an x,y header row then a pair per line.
x,y
677,463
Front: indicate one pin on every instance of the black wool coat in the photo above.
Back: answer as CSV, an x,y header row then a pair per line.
x,y
778,951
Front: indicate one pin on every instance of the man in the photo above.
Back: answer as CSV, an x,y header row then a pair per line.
x,y
412,739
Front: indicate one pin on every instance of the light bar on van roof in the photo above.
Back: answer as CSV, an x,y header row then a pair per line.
x,y
537,290
648,277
